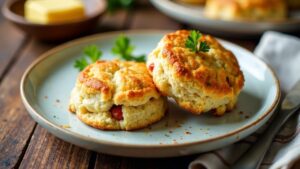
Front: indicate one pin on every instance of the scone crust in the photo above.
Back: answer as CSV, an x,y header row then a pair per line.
x,y
247,10
194,79
127,83
135,117
105,84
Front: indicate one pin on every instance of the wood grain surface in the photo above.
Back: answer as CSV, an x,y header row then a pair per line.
x,y
23,143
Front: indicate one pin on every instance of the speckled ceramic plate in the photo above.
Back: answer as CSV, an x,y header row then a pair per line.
x,y
46,86
193,15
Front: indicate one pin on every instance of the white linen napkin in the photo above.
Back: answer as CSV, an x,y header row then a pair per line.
x,y
282,52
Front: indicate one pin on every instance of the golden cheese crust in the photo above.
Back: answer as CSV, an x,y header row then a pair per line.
x,y
247,10
199,82
105,84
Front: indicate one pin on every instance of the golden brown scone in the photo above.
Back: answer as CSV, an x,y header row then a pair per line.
x,y
199,82
293,4
246,10
192,1
117,95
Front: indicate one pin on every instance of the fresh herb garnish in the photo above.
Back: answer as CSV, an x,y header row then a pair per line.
x,y
123,49
114,5
194,44
91,55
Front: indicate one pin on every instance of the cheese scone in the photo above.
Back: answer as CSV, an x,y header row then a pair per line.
x,y
246,10
117,95
198,81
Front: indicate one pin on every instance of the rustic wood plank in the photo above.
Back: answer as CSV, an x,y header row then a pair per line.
x,y
15,124
47,151
296,165
104,161
11,41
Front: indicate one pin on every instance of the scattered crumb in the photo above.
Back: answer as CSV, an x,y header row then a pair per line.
x,y
66,126
187,133
178,125
167,135
45,97
247,116
54,116
170,131
57,100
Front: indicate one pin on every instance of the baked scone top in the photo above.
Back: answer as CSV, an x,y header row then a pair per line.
x,y
249,10
122,82
216,71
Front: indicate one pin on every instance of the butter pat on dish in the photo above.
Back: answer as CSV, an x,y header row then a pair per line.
x,y
54,11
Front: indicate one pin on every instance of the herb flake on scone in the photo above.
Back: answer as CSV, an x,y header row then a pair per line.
x,y
197,71
117,95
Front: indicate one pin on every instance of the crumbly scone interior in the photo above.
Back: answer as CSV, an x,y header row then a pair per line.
x,y
131,114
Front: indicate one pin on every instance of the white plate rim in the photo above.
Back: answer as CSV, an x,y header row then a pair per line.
x,y
43,120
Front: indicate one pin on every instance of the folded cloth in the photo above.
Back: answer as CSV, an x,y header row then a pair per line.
x,y
282,52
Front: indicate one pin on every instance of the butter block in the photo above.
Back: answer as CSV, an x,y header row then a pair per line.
x,y
54,11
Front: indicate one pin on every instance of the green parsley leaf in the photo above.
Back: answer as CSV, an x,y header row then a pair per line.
x,y
194,44
204,47
81,63
92,52
123,49
91,55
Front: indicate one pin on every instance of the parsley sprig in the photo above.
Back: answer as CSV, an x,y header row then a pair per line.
x,y
194,44
123,49
91,55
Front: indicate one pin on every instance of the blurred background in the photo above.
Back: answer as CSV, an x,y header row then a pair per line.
x,y
24,39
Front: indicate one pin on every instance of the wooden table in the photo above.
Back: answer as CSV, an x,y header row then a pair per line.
x,y
24,143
